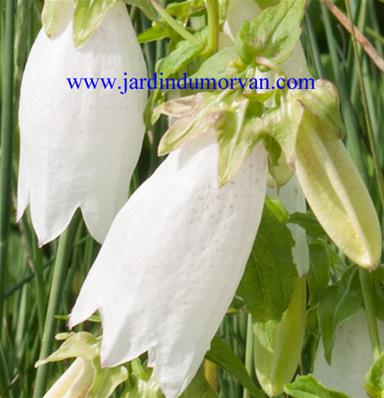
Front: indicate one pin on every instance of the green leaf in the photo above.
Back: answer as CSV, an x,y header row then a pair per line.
x,y
374,379
267,284
184,53
309,387
319,270
88,16
146,7
221,354
106,380
156,32
308,222
223,64
82,344
273,34
336,304
184,9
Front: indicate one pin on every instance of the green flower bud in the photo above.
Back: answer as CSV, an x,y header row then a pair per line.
x,y
276,368
336,193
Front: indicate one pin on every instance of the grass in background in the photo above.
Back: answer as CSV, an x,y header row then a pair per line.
x,y
27,280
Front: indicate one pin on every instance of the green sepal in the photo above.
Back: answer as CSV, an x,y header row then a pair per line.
x,y
87,18
283,125
106,380
236,136
82,344
194,115
51,14
273,34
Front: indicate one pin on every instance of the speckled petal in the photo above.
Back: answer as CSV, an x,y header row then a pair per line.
x,y
172,261
79,147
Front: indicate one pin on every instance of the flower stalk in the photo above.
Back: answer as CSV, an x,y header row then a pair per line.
x,y
213,26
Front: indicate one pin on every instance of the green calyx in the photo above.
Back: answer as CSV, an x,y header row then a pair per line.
x,y
87,16
85,377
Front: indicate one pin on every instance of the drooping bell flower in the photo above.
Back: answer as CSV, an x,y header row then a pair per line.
x,y
176,252
78,147
172,261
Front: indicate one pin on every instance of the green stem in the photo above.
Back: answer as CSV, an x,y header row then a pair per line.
x,y
6,141
371,138
248,351
213,26
34,254
314,47
62,259
173,23
366,289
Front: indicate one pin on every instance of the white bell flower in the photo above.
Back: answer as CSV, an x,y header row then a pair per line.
x,y
351,357
172,261
78,148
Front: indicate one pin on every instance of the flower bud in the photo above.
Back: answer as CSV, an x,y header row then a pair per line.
x,y
277,368
337,194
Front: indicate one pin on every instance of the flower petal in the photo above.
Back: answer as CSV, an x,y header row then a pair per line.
x,y
79,147
351,358
172,261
